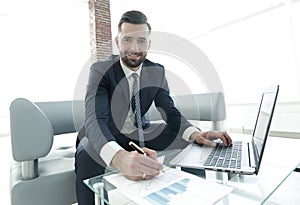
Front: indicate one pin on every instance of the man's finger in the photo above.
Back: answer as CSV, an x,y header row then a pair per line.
x,y
151,153
204,141
225,138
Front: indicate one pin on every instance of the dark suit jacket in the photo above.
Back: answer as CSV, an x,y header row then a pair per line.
x,y
107,102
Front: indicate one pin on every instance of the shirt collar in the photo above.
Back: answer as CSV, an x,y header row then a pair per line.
x,y
128,72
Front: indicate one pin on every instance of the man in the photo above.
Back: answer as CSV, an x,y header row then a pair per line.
x,y
112,112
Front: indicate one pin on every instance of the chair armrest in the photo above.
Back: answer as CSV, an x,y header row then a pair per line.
x,y
31,131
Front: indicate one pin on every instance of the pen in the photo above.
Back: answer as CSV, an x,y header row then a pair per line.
x,y
137,148
140,150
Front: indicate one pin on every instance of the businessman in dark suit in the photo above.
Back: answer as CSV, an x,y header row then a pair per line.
x,y
110,112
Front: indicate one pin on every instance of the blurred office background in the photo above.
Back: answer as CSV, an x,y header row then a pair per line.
x,y
251,44
45,46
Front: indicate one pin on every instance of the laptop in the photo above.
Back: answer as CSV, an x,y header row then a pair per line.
x,y
243,156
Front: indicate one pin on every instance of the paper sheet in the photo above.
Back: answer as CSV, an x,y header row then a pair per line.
x,y
172,187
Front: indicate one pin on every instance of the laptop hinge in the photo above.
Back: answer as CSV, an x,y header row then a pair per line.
x,y
252,155
256,154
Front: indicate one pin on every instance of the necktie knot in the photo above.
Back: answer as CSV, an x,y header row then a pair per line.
x,y
135,76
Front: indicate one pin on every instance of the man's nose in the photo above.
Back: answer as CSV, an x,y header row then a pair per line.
x,y
135,46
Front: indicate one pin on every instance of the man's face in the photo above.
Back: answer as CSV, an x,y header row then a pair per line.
x,y
133,43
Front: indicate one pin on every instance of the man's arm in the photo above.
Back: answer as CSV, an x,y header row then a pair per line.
x,y
97,107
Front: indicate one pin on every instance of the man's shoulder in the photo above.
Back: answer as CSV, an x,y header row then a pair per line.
x,y
105,64
112,59
148,63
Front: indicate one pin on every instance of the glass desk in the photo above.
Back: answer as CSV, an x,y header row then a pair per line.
x,y
281,157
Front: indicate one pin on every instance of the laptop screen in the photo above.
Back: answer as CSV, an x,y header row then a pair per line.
x,y
264,119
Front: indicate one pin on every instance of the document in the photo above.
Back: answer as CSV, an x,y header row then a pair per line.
x,y
172,187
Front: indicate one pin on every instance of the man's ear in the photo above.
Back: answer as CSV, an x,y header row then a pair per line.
x,y
117,41
149,44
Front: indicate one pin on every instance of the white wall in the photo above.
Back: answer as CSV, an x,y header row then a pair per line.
x,y
43,47
251,45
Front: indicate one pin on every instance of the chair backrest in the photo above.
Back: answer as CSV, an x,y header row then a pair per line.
x,y
39,122
33,125
201,107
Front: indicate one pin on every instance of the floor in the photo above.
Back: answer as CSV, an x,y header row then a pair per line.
x,y
288,193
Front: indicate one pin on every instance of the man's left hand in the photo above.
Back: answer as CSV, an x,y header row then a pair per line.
x,y
206,138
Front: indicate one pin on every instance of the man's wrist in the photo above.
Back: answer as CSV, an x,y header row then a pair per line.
x,y
194,135
108,151
117,158
188,133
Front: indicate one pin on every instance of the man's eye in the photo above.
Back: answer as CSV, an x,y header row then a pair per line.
x,y
127,40
142,41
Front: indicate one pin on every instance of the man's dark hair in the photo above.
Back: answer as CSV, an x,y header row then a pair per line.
x,y
134,17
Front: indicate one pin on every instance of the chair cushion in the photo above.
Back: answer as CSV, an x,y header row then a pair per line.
x,y
54,185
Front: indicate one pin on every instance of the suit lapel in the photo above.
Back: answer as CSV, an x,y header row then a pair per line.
x,y
121,81
147,83
145,88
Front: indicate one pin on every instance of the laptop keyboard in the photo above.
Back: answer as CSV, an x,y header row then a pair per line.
x,y
226,157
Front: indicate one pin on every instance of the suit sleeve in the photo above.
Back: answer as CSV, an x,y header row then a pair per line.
x,y
97,107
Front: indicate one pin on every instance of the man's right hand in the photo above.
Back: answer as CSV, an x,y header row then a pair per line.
x,y
136,166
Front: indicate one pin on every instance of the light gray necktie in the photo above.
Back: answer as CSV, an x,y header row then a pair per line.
x,y
137,110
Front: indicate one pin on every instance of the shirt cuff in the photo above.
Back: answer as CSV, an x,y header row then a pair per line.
x,y
108,151
188,132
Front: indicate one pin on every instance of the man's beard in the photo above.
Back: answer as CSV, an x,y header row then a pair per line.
x,y
133,63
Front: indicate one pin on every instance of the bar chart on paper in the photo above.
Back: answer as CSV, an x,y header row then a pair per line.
x,y
168,194
171,188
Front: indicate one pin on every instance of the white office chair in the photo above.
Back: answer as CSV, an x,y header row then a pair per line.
x,y
40,173
43,174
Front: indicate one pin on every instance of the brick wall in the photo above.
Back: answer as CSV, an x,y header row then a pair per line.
x,y
100,29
